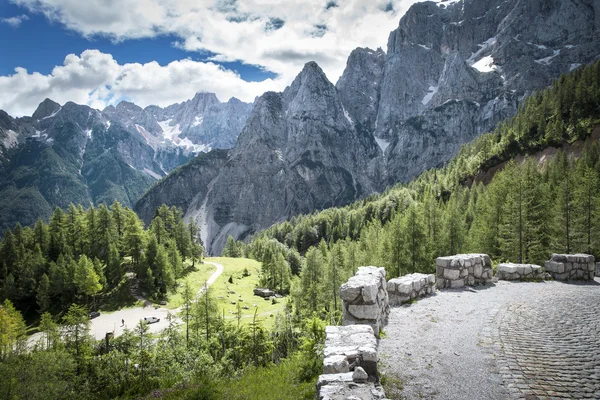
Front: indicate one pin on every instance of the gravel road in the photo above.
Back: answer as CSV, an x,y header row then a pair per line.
x,y
111,322
508,340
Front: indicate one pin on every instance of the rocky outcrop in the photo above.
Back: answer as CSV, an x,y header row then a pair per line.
x,y
410,287
570,267
298,152
365,299
204,121
184,186
454,70
359,86
463,269
515,272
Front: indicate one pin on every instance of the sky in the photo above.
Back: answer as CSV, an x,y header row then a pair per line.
x,y
99,52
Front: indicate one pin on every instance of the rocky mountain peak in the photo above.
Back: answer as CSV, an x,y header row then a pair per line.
x,y
45,109
359,86
311,95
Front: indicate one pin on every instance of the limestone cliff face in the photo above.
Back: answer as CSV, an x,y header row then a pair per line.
x,y
204,121
359,86
454,69
299,152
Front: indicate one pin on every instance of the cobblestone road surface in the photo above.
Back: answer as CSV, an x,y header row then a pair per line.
x,y
510,340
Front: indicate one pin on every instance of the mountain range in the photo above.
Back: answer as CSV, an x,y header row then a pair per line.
x,y
75,154
452,71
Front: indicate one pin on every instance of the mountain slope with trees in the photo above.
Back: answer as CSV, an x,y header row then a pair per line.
x,y
529,209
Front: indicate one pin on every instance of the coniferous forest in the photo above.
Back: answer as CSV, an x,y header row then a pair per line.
x,y
529,189
520,193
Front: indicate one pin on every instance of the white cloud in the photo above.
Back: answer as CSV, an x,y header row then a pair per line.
x,y
95,78
15,21
279,36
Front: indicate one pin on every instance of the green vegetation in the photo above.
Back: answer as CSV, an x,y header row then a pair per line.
x,y
82,256
528,210
245,274
195,279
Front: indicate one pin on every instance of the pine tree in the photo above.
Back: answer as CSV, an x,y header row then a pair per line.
x,y
43,294
134,238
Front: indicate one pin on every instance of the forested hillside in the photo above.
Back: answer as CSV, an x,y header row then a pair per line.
x,y
529,209
81,255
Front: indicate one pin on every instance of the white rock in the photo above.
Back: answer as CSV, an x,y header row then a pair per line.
x,y
359,375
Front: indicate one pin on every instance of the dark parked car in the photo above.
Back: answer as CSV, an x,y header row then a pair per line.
x,y
94,314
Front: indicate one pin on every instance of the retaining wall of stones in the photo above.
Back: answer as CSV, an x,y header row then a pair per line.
x,y
568,267
350,364
408,287
515,272
598,269
365,299
463,269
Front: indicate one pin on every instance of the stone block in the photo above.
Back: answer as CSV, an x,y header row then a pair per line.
x,y
471,280
451,274
335,364
464,272
364,311
416,285
458,283
391,286
477,271
369,294
443,262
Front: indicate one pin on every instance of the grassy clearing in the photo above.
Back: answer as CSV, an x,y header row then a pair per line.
x,y
243,288
195,278
275,382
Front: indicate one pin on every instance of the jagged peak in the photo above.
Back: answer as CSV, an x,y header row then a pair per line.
x,y
311,76
127,105
45,109
205,95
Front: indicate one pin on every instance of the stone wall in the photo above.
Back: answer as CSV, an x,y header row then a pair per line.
x,y
598,269
350,364
568,267
365,299
409,287
515,272
463,269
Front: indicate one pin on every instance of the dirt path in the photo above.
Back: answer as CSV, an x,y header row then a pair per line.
x,y
113,322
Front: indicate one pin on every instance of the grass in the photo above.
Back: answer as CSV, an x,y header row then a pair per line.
x,y
243,288
275,382
393,386
195,278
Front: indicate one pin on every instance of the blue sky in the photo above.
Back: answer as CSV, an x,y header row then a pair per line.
x,y
39,45
98,52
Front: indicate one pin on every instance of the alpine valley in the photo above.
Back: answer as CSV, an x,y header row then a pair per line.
x,y
75,154
452,71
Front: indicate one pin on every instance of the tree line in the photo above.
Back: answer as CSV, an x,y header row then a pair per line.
x,y
531,207
82,254
202,359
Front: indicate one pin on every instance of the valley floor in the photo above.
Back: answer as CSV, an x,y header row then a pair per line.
x,y
509,340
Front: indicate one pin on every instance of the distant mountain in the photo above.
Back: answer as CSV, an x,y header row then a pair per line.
x,y
203,122
298,152
453,70
76,154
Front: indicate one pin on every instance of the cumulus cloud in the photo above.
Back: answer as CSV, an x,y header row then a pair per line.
x,y
96,79
277,36
15,21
